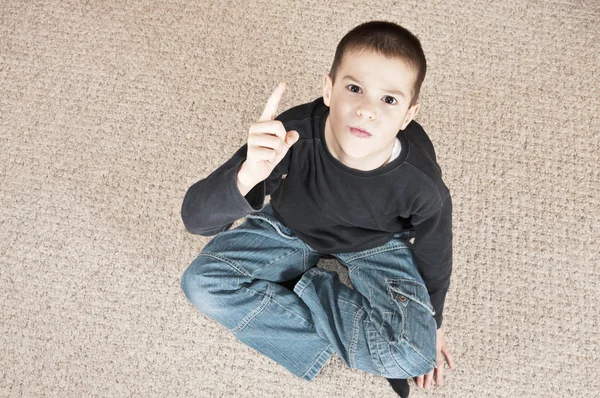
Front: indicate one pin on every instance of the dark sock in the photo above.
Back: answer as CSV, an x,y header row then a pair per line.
x,y
291,283
400,386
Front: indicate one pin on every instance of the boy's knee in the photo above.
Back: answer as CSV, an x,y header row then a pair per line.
x,y
195,283
204,283
189,281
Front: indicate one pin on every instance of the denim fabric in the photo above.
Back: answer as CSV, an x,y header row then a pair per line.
x,y
383,326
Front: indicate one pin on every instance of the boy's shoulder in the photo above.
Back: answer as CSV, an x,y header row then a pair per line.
x,y
422,156
417,136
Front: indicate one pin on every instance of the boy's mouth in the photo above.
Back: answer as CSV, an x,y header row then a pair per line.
x,y
359,132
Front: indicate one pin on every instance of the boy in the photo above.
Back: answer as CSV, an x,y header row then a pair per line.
x,y
351,176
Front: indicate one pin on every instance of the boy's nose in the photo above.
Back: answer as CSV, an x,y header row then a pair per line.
x,y
367,111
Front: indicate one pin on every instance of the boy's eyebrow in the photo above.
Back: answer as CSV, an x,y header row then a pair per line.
x,y
387,91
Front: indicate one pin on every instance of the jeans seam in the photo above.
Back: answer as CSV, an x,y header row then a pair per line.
x,y
389,347
317,361
304,260
391,324
348,302
379,350
373,345
226,261
419,353
270,296
274,223
274,261
254,313
374,251
355,334
233,265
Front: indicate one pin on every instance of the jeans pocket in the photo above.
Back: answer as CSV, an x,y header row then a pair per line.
x,y
408,292
418,327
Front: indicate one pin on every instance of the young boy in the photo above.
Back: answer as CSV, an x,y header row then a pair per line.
x,y
353,177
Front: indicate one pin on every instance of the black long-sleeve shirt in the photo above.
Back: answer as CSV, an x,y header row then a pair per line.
x,y
335,208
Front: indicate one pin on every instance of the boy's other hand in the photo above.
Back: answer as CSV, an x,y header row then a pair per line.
x,y
443,350
268,143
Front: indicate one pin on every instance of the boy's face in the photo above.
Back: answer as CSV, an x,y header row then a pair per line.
x,y
366,95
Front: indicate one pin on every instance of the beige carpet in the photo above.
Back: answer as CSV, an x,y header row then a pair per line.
x,y
110,111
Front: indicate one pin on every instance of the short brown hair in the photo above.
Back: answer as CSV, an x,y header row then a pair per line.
x,y
388,39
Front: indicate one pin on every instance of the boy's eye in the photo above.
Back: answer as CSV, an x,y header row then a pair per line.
x,y
352,86
393,100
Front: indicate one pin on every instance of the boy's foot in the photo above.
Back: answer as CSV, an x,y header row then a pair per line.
x,y
400,386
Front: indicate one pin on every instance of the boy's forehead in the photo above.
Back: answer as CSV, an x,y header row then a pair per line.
x,y
364,61
395,73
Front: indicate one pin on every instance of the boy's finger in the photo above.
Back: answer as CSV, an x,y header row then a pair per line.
x,y
440,375
272,127
449,358
420,381
271,107
291,138
428,379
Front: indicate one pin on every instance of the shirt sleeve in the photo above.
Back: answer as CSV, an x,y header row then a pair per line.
x,y
433,252
214,203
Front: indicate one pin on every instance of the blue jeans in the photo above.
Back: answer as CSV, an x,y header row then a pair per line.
x,y
384,326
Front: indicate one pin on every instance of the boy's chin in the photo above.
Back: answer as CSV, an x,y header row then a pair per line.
x,y
356,153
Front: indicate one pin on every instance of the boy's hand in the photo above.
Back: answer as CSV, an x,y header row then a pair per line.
x,y
442,348
268,143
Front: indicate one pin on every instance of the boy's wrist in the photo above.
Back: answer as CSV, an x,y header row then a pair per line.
x,y
244,183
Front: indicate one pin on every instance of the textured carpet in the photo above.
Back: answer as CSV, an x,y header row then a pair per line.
x,y
110,110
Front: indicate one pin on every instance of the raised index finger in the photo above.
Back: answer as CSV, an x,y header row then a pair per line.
x,y
271,108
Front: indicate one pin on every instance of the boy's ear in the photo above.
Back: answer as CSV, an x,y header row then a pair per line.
x,y
327,87
411,114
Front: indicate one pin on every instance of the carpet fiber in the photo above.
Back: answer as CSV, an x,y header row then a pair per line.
x,y
110,110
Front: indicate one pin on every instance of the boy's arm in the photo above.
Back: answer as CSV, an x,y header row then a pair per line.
x,y
433,253
240,185
214,203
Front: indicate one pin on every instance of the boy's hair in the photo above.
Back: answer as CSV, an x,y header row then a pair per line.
x,y
388,39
